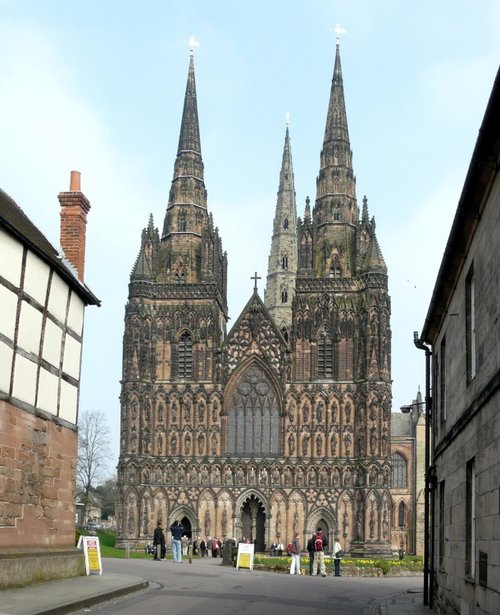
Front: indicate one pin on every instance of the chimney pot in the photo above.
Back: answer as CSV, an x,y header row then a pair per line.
x,y
74,183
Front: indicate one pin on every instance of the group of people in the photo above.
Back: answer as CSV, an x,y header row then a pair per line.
x,y
316,547
181,544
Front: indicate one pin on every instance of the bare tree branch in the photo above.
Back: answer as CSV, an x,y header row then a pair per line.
x,y
94,452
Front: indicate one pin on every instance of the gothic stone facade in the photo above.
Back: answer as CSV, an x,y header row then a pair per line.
x,y
284,423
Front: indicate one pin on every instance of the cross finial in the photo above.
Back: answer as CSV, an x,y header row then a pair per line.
x,y
338,32
192,42
255,278
287,118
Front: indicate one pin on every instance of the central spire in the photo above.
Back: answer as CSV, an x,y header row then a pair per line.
x,y
187,203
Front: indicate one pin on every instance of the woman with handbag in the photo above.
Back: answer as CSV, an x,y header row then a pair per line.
x,y
337,556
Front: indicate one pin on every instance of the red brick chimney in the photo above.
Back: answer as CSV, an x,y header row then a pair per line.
x,y
74,209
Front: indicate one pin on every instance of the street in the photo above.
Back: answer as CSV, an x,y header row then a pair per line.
x,y
211,589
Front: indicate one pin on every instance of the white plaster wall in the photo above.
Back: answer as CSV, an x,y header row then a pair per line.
x,y
72,354
58,298
5,367
30,328
52,343
47,391
12,254
75,315
68,402
36,277
8,307
24,380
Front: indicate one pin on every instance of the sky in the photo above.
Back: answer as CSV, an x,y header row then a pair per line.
x,y
98,87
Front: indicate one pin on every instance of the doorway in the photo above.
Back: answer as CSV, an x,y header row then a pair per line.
x,y
186,524
253,523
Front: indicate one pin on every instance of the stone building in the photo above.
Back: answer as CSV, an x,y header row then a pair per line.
x,y
282,424
42,302
407,489
462,330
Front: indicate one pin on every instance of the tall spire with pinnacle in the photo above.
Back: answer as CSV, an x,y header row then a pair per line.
x,y
282,267
187,203
336,212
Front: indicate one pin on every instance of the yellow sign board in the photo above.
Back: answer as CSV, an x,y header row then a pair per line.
x,y
245,556
92,553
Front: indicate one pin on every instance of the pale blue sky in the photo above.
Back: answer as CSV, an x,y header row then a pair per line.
x,y
98,86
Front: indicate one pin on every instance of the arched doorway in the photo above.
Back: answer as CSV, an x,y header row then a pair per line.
x,y
253,522
186,524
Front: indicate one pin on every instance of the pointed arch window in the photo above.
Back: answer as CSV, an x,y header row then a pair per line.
x,y
181,222
402,514
185,356
284,296
253,415
284,261
285,224
335,268
325,355
284,333
399,471
336,212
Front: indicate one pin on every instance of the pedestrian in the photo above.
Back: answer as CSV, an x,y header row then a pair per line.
x,y
196,545
320,544
310,550
215,545
159,542
203,548
295,550
184,544
176,529
337,556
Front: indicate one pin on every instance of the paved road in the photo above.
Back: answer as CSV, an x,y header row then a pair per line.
x,y
207,588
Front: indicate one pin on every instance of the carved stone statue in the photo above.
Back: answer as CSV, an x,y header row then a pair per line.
x,y
207,523
291,444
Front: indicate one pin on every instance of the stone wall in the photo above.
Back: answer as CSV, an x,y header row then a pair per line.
x,y
37,477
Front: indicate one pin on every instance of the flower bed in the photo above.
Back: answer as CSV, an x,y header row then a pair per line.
x,y
409,566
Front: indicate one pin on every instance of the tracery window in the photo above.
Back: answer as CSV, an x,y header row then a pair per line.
x,y
181,222
185,356
399,471
402,514
253,421
284,296
335,268
325,355
336,212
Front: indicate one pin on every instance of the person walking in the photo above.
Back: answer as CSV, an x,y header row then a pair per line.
x,y
203,548
337,556
310,550
320,544
176,529
159,542
295,553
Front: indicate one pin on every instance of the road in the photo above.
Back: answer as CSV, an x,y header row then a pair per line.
x,y
207,588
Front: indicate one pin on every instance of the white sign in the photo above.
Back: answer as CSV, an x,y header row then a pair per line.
x,y
245,556
92,553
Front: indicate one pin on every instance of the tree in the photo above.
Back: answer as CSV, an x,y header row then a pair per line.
x,y
107,491
93,453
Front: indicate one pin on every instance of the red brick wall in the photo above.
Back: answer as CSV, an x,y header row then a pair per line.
x,y
37,477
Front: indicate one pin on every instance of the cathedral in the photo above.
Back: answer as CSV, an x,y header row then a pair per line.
x,y
283,423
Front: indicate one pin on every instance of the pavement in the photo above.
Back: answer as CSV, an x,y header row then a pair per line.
x,y
68,595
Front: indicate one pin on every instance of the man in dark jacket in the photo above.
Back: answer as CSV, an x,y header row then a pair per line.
x,y
176,529
310,550
159,542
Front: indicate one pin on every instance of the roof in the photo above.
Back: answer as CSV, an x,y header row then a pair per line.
x,y
17,223
482,171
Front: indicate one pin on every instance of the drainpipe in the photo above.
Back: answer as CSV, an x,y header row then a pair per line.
x,y
428,566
